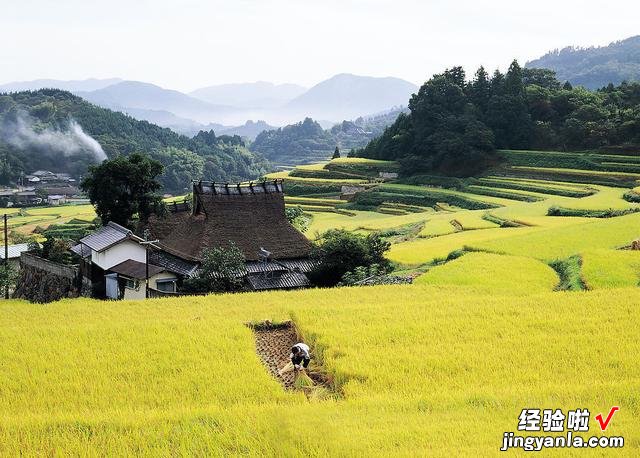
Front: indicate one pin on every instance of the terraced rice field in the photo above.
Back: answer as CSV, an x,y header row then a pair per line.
x,y
445,364
490,272
423,369
519,199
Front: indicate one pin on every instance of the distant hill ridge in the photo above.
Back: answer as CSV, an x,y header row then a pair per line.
x,y
344,96
594,67
347,96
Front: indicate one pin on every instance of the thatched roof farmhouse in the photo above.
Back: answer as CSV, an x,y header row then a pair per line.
x,y
251,216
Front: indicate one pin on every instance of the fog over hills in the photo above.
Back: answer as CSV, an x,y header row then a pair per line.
x,y
135,94
221,107
260,94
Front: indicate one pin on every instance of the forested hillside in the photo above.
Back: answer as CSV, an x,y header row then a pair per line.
x,y
307,142
455,125
298,143
55,130
594,67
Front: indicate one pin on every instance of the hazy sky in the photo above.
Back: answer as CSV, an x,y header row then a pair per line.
x,y
193,43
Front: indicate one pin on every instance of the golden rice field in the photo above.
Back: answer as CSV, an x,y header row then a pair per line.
x,y
424,371
442,367
490,272
561,242
610,268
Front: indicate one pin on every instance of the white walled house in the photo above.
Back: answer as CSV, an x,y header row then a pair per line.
x,y
114,260
113,244
117,253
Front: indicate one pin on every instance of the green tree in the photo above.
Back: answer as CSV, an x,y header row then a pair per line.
x,y
338,252
222,270
336,154
123,188
297,217
181,166
448,135
480,90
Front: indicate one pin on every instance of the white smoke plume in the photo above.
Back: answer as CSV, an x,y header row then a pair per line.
x,y
71,141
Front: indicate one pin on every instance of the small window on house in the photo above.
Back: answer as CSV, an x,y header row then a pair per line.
x,y
167,286
131,284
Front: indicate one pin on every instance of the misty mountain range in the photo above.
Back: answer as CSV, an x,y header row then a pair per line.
x,y
220,107
225,108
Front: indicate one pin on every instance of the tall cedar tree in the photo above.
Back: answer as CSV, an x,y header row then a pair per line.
x,y
448,136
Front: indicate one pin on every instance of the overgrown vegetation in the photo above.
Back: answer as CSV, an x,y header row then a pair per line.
x,y
54,249
8,278
297,217
586,213
570,272
222,270
632,196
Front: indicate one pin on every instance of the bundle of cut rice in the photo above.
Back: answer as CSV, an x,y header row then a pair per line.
x,y
302,380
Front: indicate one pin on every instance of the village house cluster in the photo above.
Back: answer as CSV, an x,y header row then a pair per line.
x,y
119,264
43,187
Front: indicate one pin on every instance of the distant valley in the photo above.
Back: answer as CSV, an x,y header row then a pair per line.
x,y
226,108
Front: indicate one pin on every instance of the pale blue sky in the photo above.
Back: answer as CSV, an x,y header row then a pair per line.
x,y
193,43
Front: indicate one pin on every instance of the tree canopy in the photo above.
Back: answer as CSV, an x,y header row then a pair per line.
x,y
124,187
455,125
221,271
297,143
339,251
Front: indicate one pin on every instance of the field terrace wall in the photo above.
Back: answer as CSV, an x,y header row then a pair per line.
x,y
42,280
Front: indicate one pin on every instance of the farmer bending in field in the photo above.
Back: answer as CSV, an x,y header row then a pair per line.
x,y
299,354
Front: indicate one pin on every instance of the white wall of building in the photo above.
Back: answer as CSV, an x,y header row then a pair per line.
x,y
124,250
140,292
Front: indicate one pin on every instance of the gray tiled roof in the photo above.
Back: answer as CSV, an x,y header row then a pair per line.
x,y
173,263
14,250
278,280
81,250
303,265
107,236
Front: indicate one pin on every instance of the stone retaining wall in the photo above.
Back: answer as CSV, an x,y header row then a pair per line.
x,y
42,280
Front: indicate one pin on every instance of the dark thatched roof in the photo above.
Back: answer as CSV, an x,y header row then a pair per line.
x,y
251,220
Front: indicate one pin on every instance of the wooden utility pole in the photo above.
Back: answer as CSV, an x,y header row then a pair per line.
x,y
6,255
146,244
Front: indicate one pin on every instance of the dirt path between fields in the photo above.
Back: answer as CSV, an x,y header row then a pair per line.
x,y
273,345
